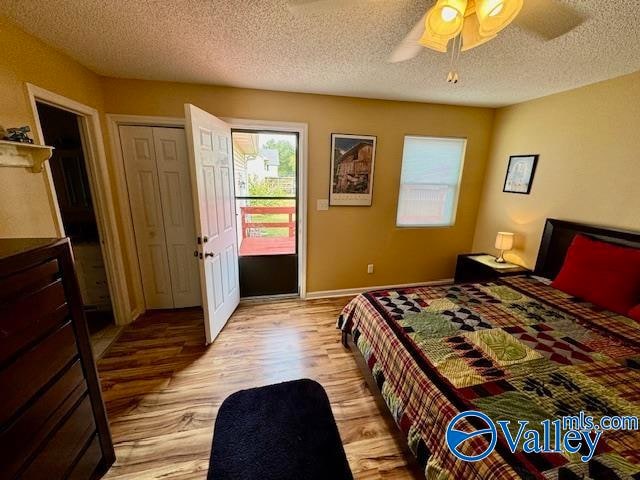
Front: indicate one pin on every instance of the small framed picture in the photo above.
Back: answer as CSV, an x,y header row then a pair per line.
x,y
352,160
520,174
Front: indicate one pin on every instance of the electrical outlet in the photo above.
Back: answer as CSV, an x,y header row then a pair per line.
x,y
370,268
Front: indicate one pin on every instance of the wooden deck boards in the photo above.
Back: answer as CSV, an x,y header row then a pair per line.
x,y
267,246
163,387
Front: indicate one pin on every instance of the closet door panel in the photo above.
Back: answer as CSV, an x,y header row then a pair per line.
x,y
139,154
177,207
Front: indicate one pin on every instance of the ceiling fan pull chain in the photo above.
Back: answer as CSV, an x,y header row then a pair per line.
x,y
455,56
455,76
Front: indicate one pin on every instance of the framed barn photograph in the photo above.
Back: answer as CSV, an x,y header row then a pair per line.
x,y
520,174
352,161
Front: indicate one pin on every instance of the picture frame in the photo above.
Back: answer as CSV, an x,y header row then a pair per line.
x,y
520,173
352,168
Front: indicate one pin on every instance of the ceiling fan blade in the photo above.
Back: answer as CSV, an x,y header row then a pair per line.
x,y
549,19
409,47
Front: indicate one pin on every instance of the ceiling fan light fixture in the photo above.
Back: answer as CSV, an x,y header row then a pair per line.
x,y
495,15
497,10
437,43
445,19
471,37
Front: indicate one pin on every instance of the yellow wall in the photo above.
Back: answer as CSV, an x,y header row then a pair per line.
x,y
589,169
343,240
25,209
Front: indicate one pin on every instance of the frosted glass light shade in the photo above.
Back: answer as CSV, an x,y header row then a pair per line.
x,y
444,21
439,44
471,37
504,240
494,15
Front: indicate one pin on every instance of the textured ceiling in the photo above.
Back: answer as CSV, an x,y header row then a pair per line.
x,y
342,50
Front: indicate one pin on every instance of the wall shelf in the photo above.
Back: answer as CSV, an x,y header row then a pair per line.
x,y
27,155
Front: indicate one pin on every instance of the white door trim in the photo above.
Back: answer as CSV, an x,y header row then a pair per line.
x,y
302,130
102,194
113,123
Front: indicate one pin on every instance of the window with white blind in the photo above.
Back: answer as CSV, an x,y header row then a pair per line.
x,y
430,181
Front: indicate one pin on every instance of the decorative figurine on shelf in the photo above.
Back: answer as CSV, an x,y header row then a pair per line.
x,y
18,134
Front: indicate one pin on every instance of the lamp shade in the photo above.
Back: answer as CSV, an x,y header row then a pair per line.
x,y
504,240
471,37
437,43
444,21
494,15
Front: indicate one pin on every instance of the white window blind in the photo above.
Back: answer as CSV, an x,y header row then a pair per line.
x,y
430,180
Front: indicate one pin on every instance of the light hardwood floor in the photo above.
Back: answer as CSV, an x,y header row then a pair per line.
x,y
163,387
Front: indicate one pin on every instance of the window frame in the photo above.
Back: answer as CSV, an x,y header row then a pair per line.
x,y
456,197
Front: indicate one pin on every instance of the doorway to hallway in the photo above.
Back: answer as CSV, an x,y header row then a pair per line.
x,y
62,130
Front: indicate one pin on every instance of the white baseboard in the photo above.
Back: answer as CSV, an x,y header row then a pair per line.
x,y
356,291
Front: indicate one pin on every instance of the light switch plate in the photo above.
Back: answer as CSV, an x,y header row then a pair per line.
x,y
323,204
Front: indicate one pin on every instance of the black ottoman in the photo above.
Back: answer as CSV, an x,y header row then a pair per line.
x,y
279,432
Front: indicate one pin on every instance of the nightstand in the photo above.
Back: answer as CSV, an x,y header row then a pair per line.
x,y
480,267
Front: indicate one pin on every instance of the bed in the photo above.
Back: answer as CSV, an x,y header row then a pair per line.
x,y
514,349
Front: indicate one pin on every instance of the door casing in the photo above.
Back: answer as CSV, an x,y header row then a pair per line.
x,y
301,129
115,120
101,191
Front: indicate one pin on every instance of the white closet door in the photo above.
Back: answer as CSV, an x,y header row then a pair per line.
x,y
177,208
146,210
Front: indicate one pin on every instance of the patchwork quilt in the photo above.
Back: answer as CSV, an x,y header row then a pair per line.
x,y
516,349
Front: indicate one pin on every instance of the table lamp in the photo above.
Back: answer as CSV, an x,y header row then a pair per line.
x,y
504,242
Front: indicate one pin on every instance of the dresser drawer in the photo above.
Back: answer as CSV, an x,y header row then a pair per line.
x,y
25,435
24,377
30,317
64,447
88,463
29,280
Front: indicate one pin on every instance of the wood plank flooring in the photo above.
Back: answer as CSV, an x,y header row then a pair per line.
x,y
163,387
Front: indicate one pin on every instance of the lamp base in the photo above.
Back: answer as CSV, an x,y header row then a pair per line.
x,y
501,259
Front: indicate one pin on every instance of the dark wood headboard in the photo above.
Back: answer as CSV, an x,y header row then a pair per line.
x,y
558,235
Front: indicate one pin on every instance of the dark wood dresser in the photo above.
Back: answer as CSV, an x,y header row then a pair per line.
x,y
52,418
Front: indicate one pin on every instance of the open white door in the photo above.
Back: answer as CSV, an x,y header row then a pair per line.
x,y
210,160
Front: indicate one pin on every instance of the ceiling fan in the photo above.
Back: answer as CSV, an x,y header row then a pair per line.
x,y
458,25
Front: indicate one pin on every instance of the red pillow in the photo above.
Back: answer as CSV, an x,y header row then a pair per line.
x,y
602,273
634,313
